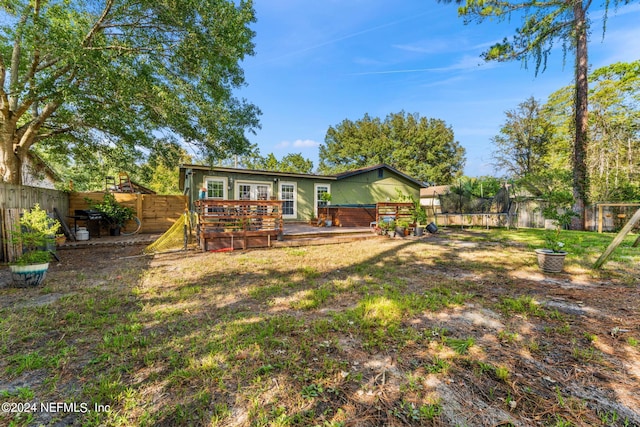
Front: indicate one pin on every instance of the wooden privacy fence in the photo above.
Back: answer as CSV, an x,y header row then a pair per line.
x,y
157,213
16,198
25,197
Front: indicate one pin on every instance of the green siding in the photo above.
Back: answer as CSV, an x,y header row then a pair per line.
x,y
367,188
362,188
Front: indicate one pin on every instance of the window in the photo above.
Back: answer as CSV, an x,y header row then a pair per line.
x,y
253,191
216,187
380,173
262,192
320,189
244,192
288,195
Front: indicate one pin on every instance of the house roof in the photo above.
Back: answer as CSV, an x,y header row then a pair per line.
x,y
434,190
254,172
376,167
336,177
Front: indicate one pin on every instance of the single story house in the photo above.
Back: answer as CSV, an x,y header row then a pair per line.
x,y
301,193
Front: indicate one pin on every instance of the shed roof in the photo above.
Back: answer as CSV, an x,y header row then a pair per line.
x,y
434,191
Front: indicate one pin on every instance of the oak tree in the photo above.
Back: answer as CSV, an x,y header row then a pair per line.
x,y
82,77
418,146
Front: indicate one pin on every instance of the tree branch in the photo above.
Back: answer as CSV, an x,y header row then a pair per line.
x,y
36,52
60,131
98,24
4,100
28,133
15,62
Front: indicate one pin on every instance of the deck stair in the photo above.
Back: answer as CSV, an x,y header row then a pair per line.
x,y
324,237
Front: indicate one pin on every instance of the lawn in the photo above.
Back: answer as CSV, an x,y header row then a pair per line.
x,y
456,328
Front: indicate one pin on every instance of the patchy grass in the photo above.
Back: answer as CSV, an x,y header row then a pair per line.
x,y
458,328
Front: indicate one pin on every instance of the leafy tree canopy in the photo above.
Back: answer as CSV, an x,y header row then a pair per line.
x,y
613,157
524,141
79,78
423,148
292,162
544,24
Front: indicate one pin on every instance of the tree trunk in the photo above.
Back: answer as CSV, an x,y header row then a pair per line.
x,y
11,169
580,177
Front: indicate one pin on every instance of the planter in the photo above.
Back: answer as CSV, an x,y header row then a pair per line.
x,y
30,275
114,231
328,222
432,228
419,231
549,261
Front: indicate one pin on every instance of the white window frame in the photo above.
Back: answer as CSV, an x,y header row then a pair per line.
x,y
237,184
316,200
225,186
295,198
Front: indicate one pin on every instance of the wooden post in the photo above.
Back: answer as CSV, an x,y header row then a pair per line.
x,y
11,221
139,212
619,238
600,218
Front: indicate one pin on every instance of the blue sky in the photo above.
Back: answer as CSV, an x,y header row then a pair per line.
x,y
320,62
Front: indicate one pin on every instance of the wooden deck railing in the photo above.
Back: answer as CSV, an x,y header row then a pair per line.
x,y
238,224
396,211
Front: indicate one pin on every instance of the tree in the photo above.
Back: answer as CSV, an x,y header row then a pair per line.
x,y
524,141
292,162
296,163
80,78
614,126
543,24
423,148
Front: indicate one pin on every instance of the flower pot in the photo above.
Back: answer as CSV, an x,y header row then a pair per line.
x,y
30,275
328,223
549,261
114,231
419,231
432,228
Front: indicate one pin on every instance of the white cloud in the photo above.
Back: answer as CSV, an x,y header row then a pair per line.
x,y
465,63
305,143
427,46
298,143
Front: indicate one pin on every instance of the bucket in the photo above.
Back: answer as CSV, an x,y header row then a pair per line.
x,y
82,234
432,228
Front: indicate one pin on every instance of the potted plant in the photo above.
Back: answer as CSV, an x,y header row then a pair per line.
x,y
551,257
419,217
113,212
389,227
402,227
326,198
34,237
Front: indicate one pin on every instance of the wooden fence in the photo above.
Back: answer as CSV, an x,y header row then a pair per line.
x,y
14,199
157,213
24,197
